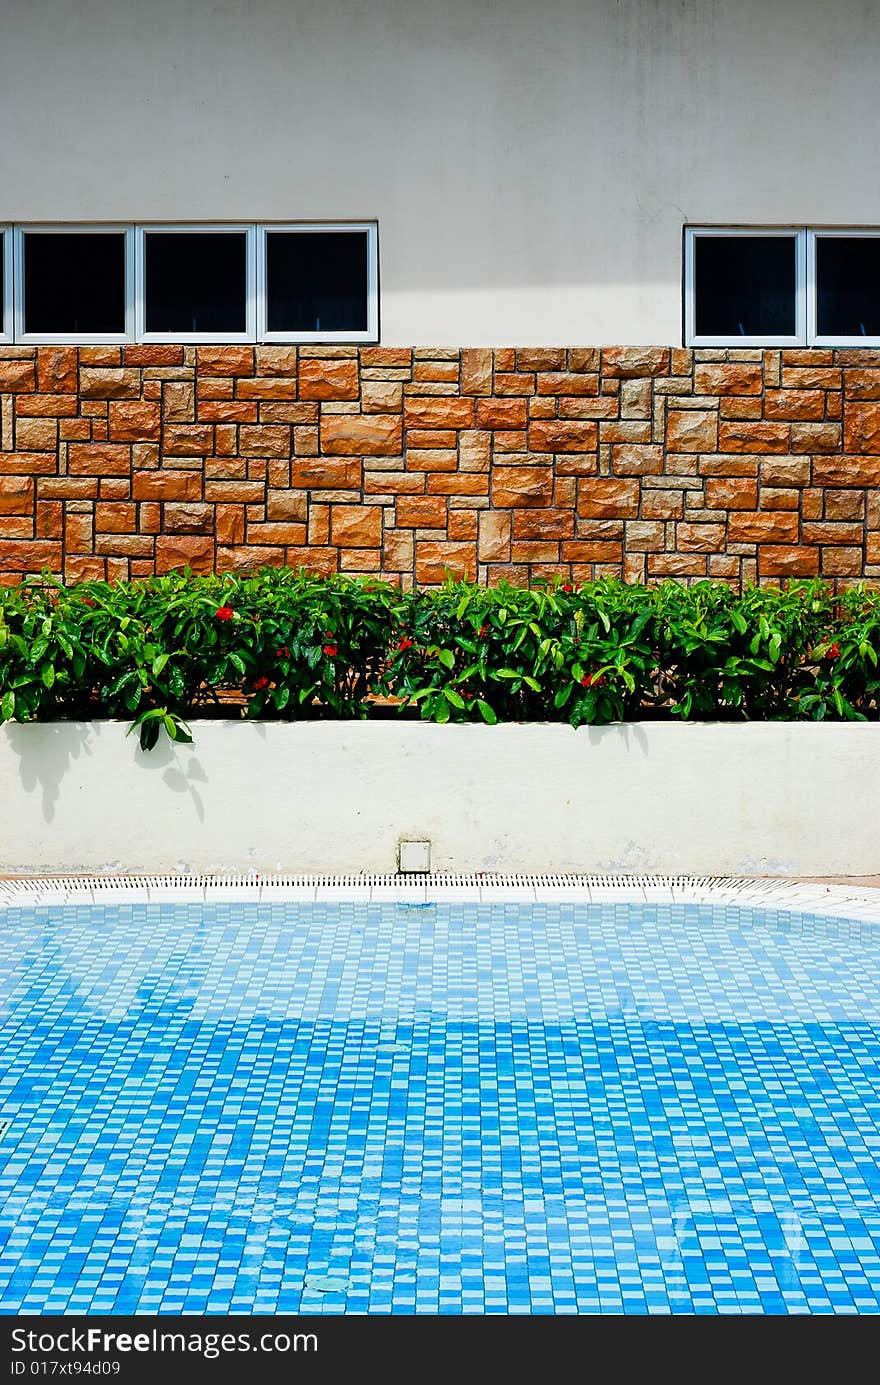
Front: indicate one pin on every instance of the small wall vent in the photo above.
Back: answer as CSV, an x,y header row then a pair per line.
x,y
414,857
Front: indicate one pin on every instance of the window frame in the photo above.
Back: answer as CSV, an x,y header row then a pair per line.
x,y
20,336
142,230
370,333
796,233
832,233
7,325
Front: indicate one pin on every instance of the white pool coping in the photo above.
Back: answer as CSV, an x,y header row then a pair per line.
x,y
811,897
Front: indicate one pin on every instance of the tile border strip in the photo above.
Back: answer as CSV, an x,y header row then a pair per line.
x,y
795,896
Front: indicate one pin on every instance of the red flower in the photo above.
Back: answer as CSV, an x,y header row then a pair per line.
x,y
405,644
285,651
89,602
224,613
593,680
260,684
567,587
330,649
328,634
833,651
484,630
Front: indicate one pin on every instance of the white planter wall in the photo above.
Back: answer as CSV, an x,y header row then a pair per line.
x,y
783,798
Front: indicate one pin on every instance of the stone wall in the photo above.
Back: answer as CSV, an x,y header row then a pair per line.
x,y
646,462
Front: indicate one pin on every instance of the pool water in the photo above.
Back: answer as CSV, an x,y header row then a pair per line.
x,y
452,1108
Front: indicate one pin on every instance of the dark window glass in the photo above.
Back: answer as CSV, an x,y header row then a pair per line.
x,y
744,286
74,283
316,281
848,286
196,281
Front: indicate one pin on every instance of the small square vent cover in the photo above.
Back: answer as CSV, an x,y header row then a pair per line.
x,y
414,857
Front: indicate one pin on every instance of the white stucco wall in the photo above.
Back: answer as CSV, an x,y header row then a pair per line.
x,y
530,164
776,798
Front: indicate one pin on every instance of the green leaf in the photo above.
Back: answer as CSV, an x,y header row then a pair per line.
x,y
486,712
47,673
7,706
455,698
446,657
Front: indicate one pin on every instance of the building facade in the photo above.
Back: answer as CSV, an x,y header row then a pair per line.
x,y
402,288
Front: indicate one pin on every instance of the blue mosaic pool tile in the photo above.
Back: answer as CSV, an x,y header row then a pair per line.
x,y
439,1109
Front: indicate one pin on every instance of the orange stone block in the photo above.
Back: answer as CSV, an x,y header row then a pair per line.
x,y
116,517
861,427
326,473
16,495
568,383
562,435
166,485
154,355
57,368
515,486
388,356
476,371
98,459
511,382
193,517
637,459
494,536
356,526
543,524
794,404
676,565
435,561
606,497
328,379
762,526
267,440
861,384
421,512
17,555
627,362
47,406
371,435
225,360
788,561
699,538
110,383
134,421
15,376
501,413
438,411
462,524
174,551
739,378
187,439
731,493
761,438
840,471
692,430
540,358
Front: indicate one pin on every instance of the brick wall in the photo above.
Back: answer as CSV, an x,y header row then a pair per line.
x,y
641,462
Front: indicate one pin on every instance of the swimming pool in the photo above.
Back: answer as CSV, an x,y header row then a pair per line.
x,y
449,1107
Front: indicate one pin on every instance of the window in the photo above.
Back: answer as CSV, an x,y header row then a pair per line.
x,y
5,284
845,266
781,287
318,280
241,283
196,283
72,284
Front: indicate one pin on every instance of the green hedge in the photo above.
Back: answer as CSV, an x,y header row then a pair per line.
x,y
287,645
